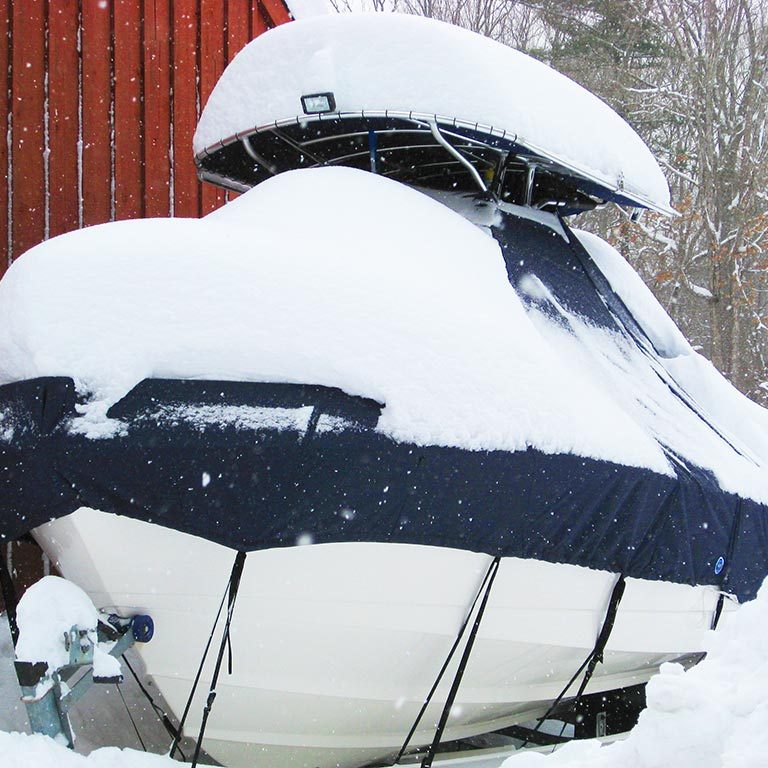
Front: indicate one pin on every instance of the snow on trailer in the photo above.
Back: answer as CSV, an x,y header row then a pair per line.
x,y
58,633
419,101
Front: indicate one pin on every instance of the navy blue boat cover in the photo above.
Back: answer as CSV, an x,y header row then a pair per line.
x,y
271,487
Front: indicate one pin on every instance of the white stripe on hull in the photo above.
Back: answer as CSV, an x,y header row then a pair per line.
x,y
336,645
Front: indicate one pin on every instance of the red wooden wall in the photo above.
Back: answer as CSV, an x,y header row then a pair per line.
x,y
102,99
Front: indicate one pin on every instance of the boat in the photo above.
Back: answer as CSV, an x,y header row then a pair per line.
x,y
466,463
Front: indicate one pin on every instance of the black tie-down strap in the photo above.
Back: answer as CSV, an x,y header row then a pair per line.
x,y
483,592
724,565
162,715
593,659
427,761
230,595
718,611
9,595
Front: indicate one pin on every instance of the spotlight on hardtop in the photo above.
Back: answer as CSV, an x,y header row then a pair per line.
x,y
315,103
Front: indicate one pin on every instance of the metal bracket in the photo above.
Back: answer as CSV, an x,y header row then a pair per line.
x,y
45,692
601,725
443,142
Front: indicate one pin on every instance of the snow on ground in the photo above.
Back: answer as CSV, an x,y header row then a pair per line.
x,y
413,64
712,716
20,750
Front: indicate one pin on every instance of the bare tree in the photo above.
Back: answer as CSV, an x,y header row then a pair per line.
x,y
720,89
703,105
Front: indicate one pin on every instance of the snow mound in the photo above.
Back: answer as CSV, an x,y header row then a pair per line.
x,y
330,276
712,716
46,612
376,62
19,750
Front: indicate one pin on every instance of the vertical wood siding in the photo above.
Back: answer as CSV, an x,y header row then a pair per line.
x,y
63,118
100,104
28,194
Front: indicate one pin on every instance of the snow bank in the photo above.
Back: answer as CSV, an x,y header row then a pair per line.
x,y
333,277
712,716
19,750
46,612
413,64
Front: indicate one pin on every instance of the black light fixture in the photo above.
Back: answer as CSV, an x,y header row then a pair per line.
x,y
316,103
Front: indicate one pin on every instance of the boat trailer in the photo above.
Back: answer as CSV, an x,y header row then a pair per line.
x,y
45,692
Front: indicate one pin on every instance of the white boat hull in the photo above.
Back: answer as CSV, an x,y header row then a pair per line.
x,y
335,646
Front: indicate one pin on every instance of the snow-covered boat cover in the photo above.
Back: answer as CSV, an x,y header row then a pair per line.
x,y
336,356
402,64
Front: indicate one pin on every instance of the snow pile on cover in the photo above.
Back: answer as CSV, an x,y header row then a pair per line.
x,y
243,417
46,612
712,716
333,277
19,750
741,420
657,324
343,278
414,64
645,391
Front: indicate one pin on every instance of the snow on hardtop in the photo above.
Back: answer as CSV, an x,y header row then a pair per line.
x,y
403,63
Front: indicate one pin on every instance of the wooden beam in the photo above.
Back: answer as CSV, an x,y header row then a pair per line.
x,y
97,106
212,57
5,61
129,110
63,118
186,187
278,11
28,104
157,108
